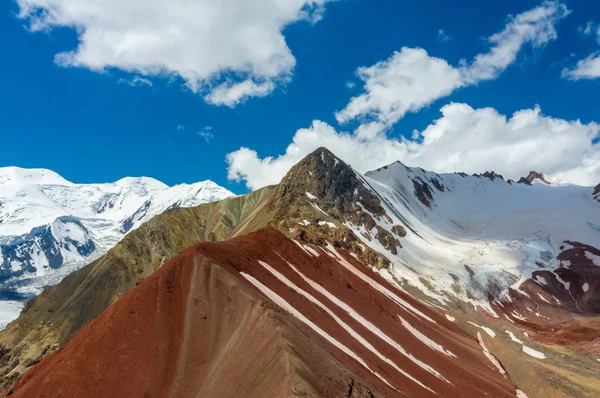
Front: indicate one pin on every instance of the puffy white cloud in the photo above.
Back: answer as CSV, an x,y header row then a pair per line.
x,y
231,94
406,82
412,79
463,139
589,67
227,49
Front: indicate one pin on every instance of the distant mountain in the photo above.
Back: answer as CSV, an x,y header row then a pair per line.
x,y
516,265
50,226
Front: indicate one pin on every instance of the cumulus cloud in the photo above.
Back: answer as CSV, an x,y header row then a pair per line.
x,y
462,139
412,79
228,50
588,67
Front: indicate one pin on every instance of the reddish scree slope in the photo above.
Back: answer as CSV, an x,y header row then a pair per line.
x,y
264,316
559,304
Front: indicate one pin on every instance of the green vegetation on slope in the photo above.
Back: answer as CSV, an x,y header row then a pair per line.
x,y
53,317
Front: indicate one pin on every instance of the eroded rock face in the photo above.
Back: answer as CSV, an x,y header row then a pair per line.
x,y
263,316
320,195
557,305
531,177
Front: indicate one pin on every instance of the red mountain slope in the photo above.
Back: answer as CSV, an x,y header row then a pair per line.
x,y
265,316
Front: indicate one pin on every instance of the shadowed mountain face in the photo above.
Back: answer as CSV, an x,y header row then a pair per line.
x,y
264,316
477,247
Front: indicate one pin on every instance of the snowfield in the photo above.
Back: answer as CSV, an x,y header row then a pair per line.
x,y
481,233
50,227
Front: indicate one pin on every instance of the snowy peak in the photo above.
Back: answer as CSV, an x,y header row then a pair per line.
x,y
50,226
596,193
21,176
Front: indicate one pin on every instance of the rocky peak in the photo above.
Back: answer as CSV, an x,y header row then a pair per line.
x,y
596,193
324,179
320,195
492,175
531,177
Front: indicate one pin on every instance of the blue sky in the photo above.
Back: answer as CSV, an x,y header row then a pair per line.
x,y
95,126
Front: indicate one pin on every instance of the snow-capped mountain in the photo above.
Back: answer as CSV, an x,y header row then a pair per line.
x,y
514,264
50,226
478,232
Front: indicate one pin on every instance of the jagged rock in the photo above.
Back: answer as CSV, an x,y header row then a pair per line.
x,y
531,177
399,230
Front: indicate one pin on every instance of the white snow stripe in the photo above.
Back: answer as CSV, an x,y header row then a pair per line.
x,y
402,303
492,358
367,324
426,340
347,328
289,308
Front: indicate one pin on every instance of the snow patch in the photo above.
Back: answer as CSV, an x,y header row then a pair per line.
x,y
513,337
327,223
450,318
489,355
9,311
310,195
489,331
316,207
533,353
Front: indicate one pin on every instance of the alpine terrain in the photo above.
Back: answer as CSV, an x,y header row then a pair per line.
x,y
50,227
398,282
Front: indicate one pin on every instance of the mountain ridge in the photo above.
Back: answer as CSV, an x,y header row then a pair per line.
x,y
457,242
286,332
50,226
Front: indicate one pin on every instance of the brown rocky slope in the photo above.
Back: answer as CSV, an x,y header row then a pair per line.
x,y
264,316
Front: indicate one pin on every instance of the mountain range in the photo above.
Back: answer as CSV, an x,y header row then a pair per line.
x,y
50,227
398,282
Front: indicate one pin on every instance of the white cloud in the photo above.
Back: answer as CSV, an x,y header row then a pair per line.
x,y
463,139
231,94
136,81
412,79
206,133
589,67
589,28
443,37
227,49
